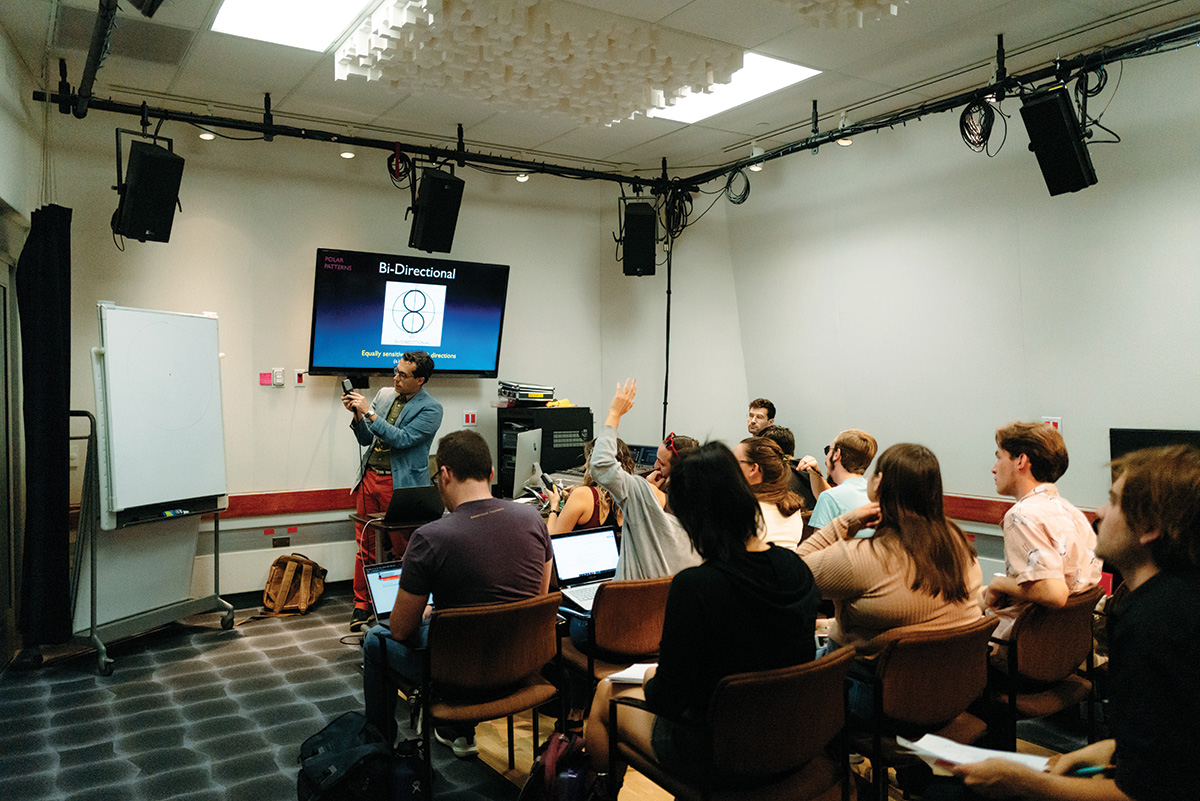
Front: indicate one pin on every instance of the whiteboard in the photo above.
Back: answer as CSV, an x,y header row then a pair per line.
x,y
158,401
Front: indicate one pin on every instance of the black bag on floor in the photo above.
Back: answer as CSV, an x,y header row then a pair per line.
x,y
350,760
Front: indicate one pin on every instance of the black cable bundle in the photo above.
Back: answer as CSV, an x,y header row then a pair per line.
x,y
676,209
400,168
975,124
739,197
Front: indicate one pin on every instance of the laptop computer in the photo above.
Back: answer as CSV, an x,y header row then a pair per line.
x,y
383,583
583,560
414,506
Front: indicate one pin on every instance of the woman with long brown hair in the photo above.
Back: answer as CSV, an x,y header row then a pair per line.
x,y
769,474
588,505
918,570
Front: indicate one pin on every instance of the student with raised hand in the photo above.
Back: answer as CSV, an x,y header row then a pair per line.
x,y
766,468
653,544
750,606
1150,531
917,569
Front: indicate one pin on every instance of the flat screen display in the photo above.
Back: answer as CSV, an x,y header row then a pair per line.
x,y
1126,440
369,308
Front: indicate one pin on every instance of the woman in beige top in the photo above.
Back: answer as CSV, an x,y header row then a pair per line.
x,y
917,571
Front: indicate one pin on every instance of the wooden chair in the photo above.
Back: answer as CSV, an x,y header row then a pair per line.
x,y
923,682
767,732
484,662
625,627
1042,657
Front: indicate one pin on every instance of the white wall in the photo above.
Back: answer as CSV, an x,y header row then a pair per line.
x,y
904,285
20,131
920,291
244,247
708,395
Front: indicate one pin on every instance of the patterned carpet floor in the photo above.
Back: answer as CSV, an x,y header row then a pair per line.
x,y
195,712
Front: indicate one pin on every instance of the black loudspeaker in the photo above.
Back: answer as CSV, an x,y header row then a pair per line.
x,y
1057,140
641,229
149,194
436,213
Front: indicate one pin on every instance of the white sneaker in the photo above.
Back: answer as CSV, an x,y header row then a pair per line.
x,y
463,747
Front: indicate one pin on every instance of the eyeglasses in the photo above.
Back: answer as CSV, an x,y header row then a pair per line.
x,y
827,447
401,374
669,443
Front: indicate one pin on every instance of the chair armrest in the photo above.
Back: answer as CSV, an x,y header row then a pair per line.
x,y
637,703
568,612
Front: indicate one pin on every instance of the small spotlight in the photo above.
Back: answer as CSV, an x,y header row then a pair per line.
x,y
347,152
844,141
756,151
207,136
522,177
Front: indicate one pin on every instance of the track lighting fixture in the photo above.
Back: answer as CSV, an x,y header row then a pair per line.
x,y
755,152
844,141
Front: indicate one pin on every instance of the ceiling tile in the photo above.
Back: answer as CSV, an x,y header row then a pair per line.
x,y
235,70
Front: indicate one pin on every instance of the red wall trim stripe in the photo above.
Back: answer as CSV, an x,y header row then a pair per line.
x,y
263,504
985,510
972,508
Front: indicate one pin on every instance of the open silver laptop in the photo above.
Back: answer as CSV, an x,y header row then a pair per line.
x,y
383,583
583,560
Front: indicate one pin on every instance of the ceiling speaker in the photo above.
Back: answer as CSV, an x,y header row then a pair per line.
x,y
436,214
1057,140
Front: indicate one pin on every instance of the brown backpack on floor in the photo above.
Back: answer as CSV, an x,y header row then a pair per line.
x,y
294,584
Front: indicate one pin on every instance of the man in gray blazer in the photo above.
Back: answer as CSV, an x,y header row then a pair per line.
x,y
396,428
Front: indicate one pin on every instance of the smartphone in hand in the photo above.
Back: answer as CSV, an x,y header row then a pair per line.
x,y
549,482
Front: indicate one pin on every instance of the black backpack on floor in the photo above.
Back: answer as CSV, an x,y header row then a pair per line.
x,y
350,759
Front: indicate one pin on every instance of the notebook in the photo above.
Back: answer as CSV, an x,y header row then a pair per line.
x,y
583,560
383,583
414,506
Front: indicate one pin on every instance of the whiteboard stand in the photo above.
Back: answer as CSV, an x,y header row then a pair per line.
x,y
97,634
157,378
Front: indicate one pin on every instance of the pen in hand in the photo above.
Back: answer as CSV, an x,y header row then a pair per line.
x,y
1093,770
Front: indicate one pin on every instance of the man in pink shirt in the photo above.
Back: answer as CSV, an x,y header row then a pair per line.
x,y
1049,546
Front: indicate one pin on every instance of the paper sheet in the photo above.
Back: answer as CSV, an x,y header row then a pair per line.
x,y
634,674
942,754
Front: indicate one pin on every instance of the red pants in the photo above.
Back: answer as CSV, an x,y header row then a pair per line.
x,y
373,494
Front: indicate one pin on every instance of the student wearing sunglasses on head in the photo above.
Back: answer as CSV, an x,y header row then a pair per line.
x,y
674,446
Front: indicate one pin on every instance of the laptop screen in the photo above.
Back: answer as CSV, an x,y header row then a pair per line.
x,y
585,555
414,506
383,583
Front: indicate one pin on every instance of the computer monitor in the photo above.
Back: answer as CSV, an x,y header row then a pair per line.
x,y
528,462
1125,440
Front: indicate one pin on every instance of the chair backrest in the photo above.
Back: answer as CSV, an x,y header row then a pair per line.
x,y
1052,643
931,677
479,649
774,721
628,617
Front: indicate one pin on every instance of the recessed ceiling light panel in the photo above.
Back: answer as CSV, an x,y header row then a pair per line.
x,y
307,24
759,76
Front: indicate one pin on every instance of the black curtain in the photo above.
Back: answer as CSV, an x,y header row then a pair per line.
x,y
43,284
